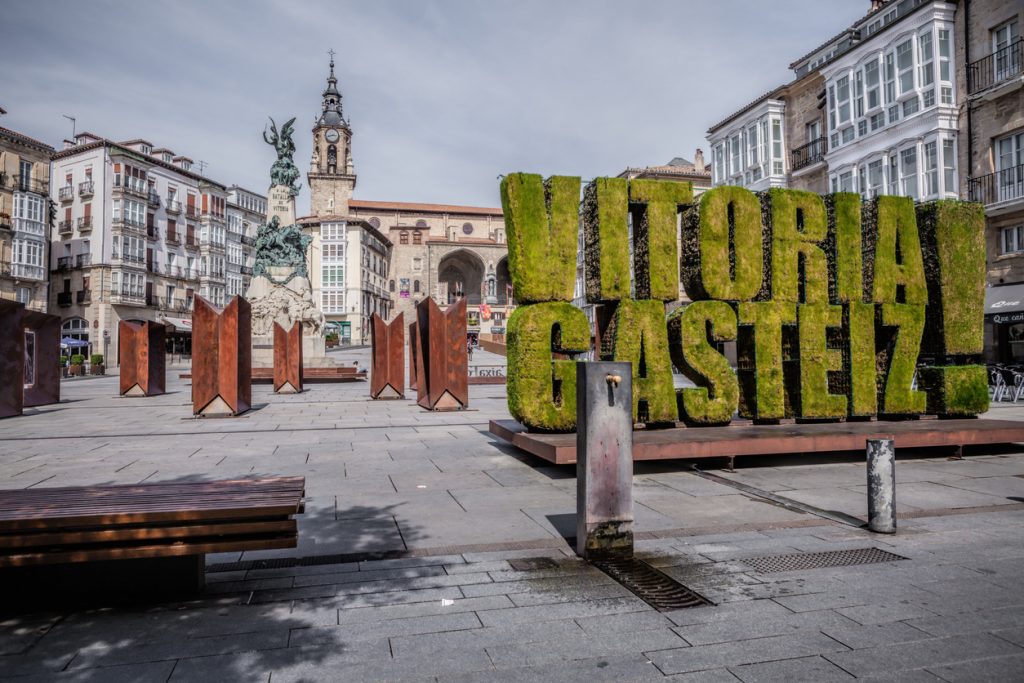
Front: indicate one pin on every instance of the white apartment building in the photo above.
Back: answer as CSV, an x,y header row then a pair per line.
x,y
348,268
245,212
887,88
748,149
892,105
139,234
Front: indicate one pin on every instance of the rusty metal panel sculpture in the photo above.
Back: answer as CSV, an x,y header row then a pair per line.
x,y
221,358
387,366
142,357
12,358
42,359
288,359
443,364
414,356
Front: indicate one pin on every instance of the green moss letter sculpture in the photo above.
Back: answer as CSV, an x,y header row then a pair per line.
x,y
641,338
818,361
953,239
692,332
859,358
541,221
897,274
759,347
541,391
828,299
655,205
722,252
795,220
846,280
900,342
606,239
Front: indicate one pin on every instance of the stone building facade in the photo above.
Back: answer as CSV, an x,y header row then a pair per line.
x,y
447,252
990,67
805,133
25,219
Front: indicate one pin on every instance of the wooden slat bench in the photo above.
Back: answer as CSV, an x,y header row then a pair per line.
x,y
341,373
177,523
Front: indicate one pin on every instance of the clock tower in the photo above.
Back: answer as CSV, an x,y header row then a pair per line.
x,y
332,177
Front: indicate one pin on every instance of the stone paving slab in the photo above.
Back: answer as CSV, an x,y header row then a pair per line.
x,y
386,476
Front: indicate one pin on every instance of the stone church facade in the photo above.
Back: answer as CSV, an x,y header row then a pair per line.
x,y
384,257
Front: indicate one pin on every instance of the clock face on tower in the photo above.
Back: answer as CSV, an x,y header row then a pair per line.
x,y
331,135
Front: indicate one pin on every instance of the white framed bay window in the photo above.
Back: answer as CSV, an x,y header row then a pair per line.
x,y
901,77
749,151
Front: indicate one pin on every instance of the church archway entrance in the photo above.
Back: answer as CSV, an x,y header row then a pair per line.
x,y
460,274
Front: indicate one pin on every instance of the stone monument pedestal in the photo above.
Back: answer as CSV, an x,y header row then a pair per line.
x,y
285,304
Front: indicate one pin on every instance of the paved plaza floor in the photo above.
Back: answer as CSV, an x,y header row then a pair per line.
x,y
456,518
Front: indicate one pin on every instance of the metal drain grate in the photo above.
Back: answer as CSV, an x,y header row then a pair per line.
x,y
835,558
657,589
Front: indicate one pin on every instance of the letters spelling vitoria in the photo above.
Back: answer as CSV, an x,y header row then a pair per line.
x,y
830,301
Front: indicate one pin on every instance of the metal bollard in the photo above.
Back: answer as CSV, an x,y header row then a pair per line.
x,y
604,460
881,486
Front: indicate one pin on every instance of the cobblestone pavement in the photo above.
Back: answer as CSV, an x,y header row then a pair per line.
x,y
455,510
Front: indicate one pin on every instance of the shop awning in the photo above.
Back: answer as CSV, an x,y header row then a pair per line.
x,y
181,324
1005,304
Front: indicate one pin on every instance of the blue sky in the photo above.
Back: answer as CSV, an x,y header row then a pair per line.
x,y
443,96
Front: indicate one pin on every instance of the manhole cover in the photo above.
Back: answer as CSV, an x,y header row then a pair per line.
x,y
658,590
526,564
835,558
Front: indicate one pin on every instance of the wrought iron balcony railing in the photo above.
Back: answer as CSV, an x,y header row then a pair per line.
x,y
66,193
84,223
1006,185
64,227
84,296
63,299
83,260
134,185
86,188
999,67
811,153
172,206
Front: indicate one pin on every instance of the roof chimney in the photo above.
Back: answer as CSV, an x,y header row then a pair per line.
x,y
698,160
876,5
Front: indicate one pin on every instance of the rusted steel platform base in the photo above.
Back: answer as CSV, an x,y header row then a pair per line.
x,y
750,440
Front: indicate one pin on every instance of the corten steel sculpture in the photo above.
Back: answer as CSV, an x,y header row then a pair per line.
x,y
142,358
387,368
288,359
12,358
443,368
42,359
414,356
221,358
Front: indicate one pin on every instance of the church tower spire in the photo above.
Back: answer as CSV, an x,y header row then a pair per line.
x,y
332,112
332,176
